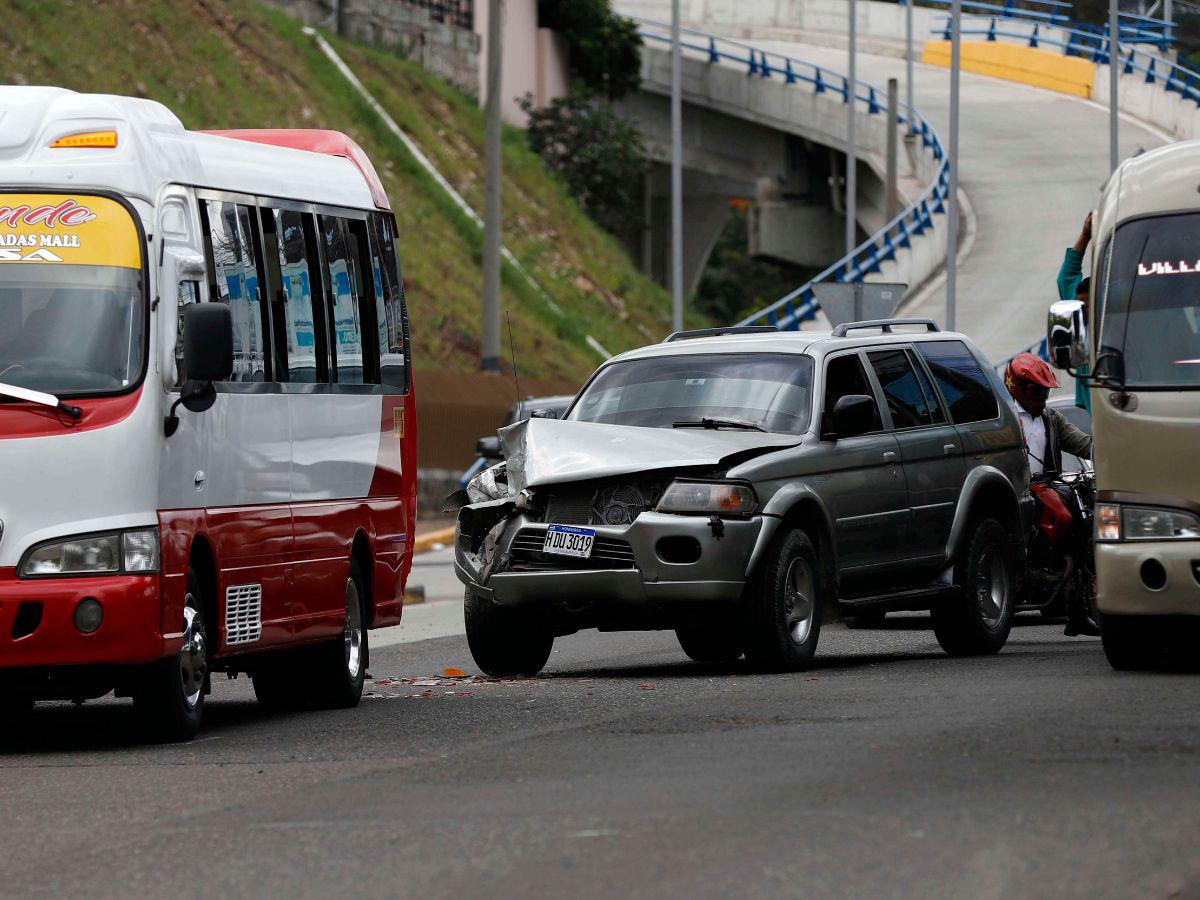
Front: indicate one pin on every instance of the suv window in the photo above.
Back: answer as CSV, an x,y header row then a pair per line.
x,y
844,376
905,399
964,386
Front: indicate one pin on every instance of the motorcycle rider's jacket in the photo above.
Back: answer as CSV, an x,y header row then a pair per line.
x,y
1061,436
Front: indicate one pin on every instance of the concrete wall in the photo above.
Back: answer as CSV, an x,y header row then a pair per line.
x,y
535,59
450,53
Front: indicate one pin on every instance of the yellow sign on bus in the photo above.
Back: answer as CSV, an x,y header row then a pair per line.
x,y
71,229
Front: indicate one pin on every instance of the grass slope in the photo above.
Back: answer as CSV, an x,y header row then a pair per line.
x,y
237,64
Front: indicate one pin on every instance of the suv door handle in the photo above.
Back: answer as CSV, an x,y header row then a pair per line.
x,y
949,448
889,457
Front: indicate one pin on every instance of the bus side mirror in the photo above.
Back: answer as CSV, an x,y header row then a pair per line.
x,y
207,357
1066,335
179,281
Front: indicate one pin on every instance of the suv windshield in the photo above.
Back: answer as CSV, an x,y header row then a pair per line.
x,y
72,316
771,392
1151,311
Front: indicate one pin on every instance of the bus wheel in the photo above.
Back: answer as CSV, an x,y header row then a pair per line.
x,y
341,665
1131,643
171,695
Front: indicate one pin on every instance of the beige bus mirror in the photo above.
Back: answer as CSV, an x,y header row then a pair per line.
x,y
179,283
1066,335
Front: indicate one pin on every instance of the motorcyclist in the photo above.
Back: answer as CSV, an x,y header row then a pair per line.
x,y
1047,434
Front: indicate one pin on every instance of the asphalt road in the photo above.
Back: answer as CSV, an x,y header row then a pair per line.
x,y
888,770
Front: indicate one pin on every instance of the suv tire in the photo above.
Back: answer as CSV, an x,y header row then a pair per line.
x,y
977,622
505,643
781,615
1131,643
709,645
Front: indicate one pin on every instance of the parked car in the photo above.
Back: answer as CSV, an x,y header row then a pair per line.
x,y
744,486
488,447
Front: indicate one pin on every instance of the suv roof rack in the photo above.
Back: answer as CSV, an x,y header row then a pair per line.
x,y
713,332
884,324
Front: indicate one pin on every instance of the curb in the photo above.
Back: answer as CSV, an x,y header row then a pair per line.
x,y
423,543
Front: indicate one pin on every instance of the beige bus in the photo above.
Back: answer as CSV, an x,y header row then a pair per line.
x,y
1141,337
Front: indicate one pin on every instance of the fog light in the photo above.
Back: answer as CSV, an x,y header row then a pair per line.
x,y
88,615
1154,575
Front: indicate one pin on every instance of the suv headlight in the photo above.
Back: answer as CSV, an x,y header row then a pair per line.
x,y
1139,523
722,498
109,553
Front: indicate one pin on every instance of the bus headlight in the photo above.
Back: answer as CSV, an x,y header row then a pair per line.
x,y
1108,522
722,498
109,553
1140,523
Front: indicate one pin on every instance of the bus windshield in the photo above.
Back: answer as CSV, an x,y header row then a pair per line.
x,y
1151,311
72,313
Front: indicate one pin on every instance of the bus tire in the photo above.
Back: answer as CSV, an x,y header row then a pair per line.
x,y
341,664
504,643
1132,643
978,620
170,697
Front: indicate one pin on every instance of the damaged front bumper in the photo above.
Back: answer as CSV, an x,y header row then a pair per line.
x,y
658,560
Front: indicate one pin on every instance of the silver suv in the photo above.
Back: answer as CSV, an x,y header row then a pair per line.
x,y
743,486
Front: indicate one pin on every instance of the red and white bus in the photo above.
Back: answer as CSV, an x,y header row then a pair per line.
x,y
207,423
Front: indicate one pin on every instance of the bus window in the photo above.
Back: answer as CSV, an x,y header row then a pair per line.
x,y
342,280
234,279
391,316
303,332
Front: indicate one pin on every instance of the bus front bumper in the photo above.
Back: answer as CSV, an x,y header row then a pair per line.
x,y
1129,574
38,630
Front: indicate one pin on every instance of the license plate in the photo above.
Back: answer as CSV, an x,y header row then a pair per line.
x,y
566,540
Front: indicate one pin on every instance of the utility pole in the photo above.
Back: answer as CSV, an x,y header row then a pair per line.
x,y
852,142
908,63
1114,59
489,351
893,126
676,172
952,200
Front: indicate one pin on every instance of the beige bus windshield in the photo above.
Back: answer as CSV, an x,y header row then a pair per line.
x,y
1151,314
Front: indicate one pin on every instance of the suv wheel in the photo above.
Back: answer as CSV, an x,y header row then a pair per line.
x,y
505,642
978,621
709,645
1131,643
782,608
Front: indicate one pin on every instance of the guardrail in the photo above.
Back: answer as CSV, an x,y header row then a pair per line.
x,y
1051,11
800,305
1096,47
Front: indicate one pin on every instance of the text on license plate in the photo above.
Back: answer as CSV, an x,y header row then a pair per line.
x,y
566,540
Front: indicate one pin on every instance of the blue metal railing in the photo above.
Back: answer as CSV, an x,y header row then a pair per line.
x,y
1096,47
800,305
1045,11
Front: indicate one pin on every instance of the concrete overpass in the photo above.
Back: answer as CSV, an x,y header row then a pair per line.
x,y
1032,160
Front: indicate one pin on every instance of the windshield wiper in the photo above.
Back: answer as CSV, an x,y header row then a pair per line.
x,y
717,423
20,393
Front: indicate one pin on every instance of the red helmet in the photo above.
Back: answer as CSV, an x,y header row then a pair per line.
x,y
1029,380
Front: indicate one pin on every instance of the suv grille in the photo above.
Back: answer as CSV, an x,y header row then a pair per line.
x,y
527,555
601,503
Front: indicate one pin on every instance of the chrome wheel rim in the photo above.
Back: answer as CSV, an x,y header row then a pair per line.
x,y
798,606
991,590
193,655
353,635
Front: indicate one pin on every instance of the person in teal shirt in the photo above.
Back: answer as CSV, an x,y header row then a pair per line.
x,y
1073,286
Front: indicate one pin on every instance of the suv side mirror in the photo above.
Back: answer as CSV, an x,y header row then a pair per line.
x,y
489,448
1066,334
207,357
853,414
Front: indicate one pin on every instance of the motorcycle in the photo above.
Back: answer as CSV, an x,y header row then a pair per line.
x,y
1060,570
